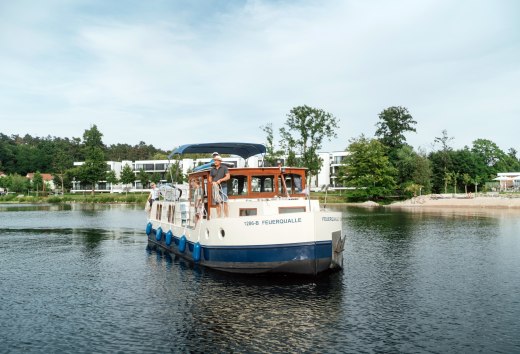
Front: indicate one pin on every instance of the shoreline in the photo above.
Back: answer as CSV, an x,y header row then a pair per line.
x,y
478,202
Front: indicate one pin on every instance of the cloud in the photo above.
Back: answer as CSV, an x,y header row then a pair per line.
x,y
173,73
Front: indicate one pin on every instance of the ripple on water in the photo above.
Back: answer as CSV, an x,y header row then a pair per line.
x,y
83,281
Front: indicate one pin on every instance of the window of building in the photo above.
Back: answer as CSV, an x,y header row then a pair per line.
x,y
339,159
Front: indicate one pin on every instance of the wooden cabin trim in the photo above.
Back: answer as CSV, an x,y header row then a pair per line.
x,y
249,173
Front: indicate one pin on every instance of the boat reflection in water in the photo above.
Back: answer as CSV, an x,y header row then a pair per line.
x,y
242,313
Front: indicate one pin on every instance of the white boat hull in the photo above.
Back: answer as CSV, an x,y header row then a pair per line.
x,y
308,242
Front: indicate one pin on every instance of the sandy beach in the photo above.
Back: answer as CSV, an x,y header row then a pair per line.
x,y
461,201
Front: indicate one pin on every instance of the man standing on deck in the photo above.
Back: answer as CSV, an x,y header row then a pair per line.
x,y
218,176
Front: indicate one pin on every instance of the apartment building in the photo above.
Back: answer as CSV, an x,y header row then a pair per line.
x,y
327,177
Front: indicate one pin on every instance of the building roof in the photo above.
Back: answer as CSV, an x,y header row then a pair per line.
x,y
45,176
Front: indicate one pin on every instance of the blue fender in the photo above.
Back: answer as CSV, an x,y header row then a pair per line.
x,y
196,252
158,234
149,229
182,244
168,238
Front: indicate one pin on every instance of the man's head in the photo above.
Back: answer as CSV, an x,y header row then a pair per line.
x,y
215,154
217,160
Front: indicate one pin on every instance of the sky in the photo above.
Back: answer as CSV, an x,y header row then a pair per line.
x,y
175,72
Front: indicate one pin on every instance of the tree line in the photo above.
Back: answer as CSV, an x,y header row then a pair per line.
x,y
376,167
386,165
21,155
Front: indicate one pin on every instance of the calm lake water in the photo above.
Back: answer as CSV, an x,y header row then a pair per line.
x,y
80,279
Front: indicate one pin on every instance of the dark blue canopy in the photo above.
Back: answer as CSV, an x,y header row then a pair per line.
x,y
244,150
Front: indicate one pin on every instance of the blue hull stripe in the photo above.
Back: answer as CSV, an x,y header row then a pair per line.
x,y
254,254
273,253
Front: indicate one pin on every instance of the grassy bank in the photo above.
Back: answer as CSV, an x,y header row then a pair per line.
x,y
330,197
77,198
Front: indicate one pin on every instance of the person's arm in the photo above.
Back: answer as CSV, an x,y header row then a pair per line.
x,y
225,178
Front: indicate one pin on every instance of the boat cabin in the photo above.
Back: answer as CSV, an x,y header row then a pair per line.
x,y
252,183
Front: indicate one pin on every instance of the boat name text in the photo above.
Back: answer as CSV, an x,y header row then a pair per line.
x,y
330,218
273,221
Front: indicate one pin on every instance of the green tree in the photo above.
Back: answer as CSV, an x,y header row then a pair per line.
x,y
143,177
413,189
490,159
37,181
466,179
174,173
305,128
368,169
155,178
513,160
271,153
422,173
455,178
18,184
62,162
111,178
447,181
444,140
441,161
394,122
4,182
476,181
405,164
92,138
160,156
127,176
94,168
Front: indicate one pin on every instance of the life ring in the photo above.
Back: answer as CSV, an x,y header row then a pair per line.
x,y
158,234
182,244
168,238
196,252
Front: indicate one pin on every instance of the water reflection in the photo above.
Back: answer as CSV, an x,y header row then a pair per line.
x,y
34,207
413,282
243,313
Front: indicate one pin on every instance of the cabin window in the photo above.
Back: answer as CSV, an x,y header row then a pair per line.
x,y
237,185
171,211
260,184
158,212
247,211
288,210
293,182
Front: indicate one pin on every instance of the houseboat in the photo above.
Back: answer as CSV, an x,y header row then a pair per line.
x,y
270,225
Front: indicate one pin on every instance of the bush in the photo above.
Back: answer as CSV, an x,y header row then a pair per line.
x,y
8,197
54,199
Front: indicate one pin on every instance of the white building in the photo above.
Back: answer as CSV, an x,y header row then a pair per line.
x,y
159,167
328,175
